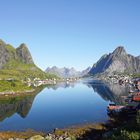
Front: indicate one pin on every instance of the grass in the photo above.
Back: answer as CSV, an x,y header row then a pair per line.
x,y
137,75
13,86
20,71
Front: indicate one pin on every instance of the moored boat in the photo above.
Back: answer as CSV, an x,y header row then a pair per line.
x,y
136,98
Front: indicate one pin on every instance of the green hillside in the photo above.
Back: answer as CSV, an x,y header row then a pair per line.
x,y
19,70
16,67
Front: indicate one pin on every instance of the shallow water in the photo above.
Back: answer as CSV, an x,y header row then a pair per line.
x,y
60,106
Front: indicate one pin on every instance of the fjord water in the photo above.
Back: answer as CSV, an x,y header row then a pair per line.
x,y
60,106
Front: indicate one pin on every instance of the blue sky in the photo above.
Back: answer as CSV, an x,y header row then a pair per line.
x,y
71,33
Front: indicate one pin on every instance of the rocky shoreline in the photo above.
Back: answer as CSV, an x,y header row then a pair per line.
x,y
17,92
84,132
47,137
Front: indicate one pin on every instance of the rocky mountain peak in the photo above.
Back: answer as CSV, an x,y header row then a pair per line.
x,y
138,57
2,43
117,62
24,54
119,51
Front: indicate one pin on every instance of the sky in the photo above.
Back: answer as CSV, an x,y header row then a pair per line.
x,y
71,33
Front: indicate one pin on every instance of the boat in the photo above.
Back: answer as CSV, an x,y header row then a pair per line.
x,y
114,109
136,98
123,111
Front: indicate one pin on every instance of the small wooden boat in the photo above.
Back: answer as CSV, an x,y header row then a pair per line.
x,y
136,98
112,108
123,111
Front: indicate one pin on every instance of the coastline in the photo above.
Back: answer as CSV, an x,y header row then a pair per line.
x,y
77,132
16,93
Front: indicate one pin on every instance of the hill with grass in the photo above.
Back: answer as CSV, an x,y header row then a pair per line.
x,y
17,63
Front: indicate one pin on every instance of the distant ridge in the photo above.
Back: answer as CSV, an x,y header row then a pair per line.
x,y
116,62
67,72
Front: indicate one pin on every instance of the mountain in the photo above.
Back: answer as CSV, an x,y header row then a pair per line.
x,y
24,54
109,91
18,63
8,53
116,62
63,72
86,71
66,72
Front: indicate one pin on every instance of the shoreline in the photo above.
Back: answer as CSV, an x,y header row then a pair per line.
x,y
16,93
80,132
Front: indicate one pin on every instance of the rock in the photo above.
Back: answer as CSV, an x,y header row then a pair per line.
x,y
61,138
24,54
48,138
4,56
68,138
8,52
37,137
116,62
19,139
107,134
11,139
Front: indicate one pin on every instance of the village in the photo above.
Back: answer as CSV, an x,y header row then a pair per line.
x,y
36,82
132,100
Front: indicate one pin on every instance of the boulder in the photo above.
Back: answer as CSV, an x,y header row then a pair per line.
x,y
36,137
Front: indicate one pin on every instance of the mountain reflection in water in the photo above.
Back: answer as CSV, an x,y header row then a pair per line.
x,y
60,105
109,91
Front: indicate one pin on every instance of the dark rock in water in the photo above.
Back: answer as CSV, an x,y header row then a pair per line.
x,y
116,62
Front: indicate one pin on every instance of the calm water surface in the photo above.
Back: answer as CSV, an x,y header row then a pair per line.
x,y
60,106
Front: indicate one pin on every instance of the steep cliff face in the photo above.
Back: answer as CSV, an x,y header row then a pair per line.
x,y
24,54
117,61
3,54
18,63
8,53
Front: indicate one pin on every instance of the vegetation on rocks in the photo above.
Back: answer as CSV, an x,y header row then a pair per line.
x,y
13,86
19,70
130,130
18,66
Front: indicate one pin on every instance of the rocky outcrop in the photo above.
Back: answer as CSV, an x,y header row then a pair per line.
x,y
86,71
24,54
117,62
67,72
47,137
8,53
3,54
